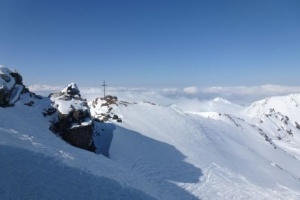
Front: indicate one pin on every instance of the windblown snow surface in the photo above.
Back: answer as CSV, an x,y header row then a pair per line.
x,y
157,152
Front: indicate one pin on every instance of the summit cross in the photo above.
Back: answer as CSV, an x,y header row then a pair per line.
x,y
104,85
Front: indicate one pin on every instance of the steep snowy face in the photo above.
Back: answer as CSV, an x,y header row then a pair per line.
x,y
11,86
279,117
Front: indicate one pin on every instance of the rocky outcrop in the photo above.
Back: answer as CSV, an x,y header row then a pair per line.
x,y
11,86
73,122
105,109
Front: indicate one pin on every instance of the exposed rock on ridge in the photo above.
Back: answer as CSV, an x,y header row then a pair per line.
x,y
104,109
73,123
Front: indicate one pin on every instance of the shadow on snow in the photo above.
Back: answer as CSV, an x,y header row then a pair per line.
x,y
103,135
29,175
162,164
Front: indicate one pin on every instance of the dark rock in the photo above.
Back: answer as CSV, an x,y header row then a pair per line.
x,y
30,103
79,137
297,125
289,131
48,112
148,102
18,78
4,97
111,99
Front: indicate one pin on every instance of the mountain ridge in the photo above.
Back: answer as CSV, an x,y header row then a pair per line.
x,y
157,152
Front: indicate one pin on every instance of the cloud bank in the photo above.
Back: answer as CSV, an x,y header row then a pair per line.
x,y
243,95
191,90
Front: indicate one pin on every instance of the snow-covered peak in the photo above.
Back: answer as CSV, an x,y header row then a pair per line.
x,y
221,100
279,116
69,100
71,89
287,105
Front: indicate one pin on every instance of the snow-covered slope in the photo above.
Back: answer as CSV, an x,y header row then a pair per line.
x,y
208,158
216,105
155,152
36,164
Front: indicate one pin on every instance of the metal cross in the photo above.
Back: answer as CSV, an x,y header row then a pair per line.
x,y
104,85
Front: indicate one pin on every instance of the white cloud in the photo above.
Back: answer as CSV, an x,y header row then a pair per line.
x,y
170,90
243,95
253,90
35,88
248,94
44,90
191,90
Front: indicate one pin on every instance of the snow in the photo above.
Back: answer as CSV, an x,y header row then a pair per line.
x,y
279,116
219,99
213,115
16,93
36,164
86,122
221,156
72,86
219,151
49,178
216,105
6,80
68,100
66,106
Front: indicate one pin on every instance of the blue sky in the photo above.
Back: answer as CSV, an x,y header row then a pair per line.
x,y
152,42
